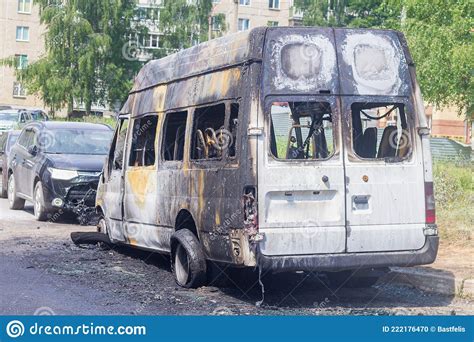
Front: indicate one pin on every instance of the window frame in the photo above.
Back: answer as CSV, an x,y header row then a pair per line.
x,y
23,29
19,91
247,20
271,4
164,131
130,140
113,147
226,158
22,6
411,126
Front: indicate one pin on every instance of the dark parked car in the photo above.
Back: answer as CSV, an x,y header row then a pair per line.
x,y
7,140
56,166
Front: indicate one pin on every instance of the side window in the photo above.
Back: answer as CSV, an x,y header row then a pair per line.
x,y
380,131
209,133
301,130
173,141
118,148
142,152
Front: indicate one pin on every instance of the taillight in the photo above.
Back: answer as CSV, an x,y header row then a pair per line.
x,y
430,211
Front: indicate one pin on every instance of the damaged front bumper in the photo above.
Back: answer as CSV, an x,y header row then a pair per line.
x,y
346,261
76,196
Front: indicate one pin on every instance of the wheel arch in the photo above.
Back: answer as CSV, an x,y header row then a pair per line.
x,y
185,219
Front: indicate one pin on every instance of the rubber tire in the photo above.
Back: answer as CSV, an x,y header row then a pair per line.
x,y
347,279
41,213
14,202
185,244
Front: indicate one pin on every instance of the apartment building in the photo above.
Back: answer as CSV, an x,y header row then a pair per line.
x,y
21,36
241,15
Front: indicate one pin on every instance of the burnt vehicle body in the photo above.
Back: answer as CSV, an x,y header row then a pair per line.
x,y
56,166
287,149
7,140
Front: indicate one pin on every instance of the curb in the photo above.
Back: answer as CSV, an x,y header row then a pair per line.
x,y
431,280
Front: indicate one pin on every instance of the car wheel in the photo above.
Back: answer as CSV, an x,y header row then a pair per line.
x,y
41,213
188,261
15,203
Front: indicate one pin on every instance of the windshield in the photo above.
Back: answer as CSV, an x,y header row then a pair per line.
x,y
301,130
76,141
9,116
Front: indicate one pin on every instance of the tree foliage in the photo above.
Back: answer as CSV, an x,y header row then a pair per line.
x,y
184,23
439,33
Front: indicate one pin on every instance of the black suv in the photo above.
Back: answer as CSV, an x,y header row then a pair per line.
x,y
56,166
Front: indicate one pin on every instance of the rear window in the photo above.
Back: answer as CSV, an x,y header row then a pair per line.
x,y
380,131
301,130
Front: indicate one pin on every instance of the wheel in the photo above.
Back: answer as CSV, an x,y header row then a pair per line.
x,y
188,261
41,213
15,202
353,279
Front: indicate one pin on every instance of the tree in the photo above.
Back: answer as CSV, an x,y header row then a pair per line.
x,y
84,60
184,23
439,34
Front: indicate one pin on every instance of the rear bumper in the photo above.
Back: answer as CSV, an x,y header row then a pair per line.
x,y
344,261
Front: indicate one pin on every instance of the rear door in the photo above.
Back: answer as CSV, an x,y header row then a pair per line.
x,y
383,163
301,177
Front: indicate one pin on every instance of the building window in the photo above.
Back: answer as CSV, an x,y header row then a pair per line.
x,y
272,23
18,90
24,6
150,41
216,1
274,4
216,24
244,2
21,62
244,24
22,33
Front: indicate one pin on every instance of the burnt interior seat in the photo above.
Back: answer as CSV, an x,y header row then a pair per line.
x,y
388,143
368,146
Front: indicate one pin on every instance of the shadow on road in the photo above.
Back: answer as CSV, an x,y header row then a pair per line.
x,y
298,290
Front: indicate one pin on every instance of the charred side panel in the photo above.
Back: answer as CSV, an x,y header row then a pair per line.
x,y
218,53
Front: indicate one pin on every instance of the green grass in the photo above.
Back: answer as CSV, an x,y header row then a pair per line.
x,y
454,195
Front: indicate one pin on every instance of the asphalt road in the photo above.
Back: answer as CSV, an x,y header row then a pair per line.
x,y
42,271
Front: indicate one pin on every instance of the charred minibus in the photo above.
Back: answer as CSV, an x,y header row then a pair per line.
x,y
286,149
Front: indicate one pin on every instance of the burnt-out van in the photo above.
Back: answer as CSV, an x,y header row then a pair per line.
x,y
286,149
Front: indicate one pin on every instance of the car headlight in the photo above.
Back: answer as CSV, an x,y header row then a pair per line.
x,y
62,174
